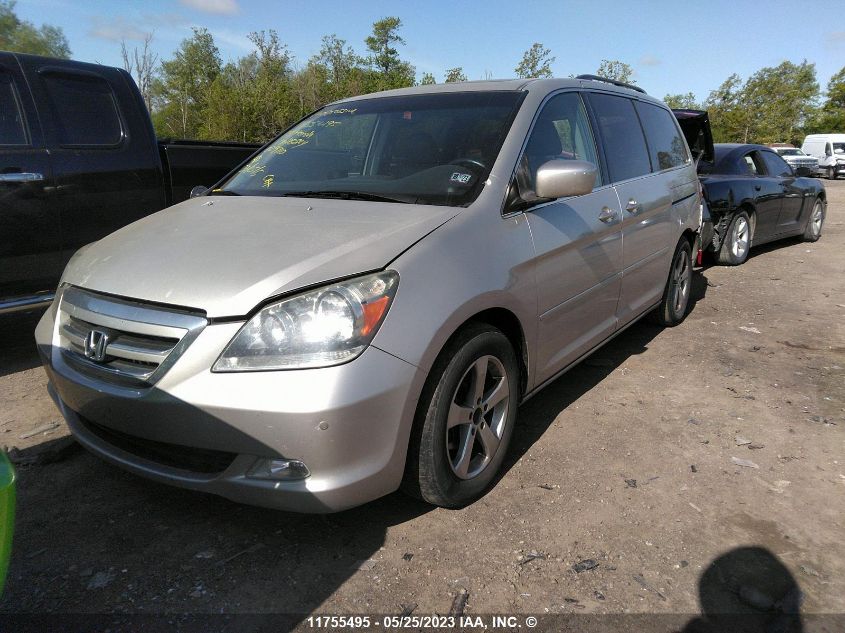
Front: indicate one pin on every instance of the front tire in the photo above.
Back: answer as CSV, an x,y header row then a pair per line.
x,y
676,295
813,231
465,419
831,173
737,242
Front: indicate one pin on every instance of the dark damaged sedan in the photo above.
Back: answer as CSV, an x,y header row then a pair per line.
x,y
753,195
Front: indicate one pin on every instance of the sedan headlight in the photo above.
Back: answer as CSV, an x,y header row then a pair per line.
x,y
319,328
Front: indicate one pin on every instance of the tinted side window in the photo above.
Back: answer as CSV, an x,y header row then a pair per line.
x,y
750,165
665,144
12,128
624,143
85,110
562,131
775,165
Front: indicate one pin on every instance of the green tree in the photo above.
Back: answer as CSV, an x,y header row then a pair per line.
x,y
251,99
685,101
21,36
454,75
536,62
831,116
180,92
341,64
427,79
729,117
616,70
779,100
391,71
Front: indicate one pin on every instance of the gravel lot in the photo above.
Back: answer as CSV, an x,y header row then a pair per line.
x,y
629,462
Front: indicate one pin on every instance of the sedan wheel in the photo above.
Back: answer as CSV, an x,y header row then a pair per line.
x,y
814,224
739,239
465,419
737,242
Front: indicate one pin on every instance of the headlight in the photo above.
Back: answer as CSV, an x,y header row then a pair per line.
x,y
323,327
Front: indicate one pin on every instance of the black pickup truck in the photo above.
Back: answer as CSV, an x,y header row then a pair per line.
x,y
78,160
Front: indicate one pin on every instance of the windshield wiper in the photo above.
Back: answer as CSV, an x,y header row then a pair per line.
x,y
342,195
222,192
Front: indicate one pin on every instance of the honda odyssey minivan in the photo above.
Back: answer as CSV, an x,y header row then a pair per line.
x,y
364,303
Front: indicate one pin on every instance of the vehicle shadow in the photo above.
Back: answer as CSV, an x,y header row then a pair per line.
x,y
765,249
17,342
747,590
537,414
92,539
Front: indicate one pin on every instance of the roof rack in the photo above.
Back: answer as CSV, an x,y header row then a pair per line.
x,y
621,84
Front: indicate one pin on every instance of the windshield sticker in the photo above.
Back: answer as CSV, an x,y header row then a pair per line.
x,y
268,180
461,178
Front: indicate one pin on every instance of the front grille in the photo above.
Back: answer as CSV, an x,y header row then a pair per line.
x,y
137,342
187,458
804,162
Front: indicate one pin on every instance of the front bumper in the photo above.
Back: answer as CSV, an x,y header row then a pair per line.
x,y
349,424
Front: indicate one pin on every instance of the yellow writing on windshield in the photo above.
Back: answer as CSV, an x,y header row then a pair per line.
x,y
293,142
268,180
339,111
253,168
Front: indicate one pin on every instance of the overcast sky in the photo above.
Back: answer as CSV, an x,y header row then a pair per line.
x,y
674,47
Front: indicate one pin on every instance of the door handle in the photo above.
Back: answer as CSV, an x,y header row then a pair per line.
x,y
21,177
633,206
757,187
607,215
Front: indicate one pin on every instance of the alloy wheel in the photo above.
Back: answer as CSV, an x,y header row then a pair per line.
x,y
739,245
816,219
477,416
681,282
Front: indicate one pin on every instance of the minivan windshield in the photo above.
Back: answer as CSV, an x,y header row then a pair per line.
x,y
428,149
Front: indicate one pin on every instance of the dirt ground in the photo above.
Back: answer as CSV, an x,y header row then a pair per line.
x,y
627,464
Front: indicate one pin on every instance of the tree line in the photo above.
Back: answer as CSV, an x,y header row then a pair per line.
x,y
193,94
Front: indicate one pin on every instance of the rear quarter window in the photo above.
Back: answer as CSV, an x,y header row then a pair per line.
x,y
85,110
775,165
624,144
665,144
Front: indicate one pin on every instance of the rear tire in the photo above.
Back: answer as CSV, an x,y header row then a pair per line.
x,y
464,420
813,231
737,242
675,303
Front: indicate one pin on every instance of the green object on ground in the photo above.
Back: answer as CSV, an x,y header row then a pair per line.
x,y
7,514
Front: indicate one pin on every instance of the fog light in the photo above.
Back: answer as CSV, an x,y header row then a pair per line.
x,y
279,470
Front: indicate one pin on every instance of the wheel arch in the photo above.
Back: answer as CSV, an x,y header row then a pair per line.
x,y
509,324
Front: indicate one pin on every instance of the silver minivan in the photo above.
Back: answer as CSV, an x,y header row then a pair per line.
x,y
364,303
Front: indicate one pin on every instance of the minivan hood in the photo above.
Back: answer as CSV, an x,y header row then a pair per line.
x,y
226,255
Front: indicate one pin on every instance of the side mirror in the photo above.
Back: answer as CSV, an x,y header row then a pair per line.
x,y
197,191
561,178
839,151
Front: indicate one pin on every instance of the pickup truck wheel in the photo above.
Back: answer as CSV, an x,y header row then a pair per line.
x,y
814,224
674,305
831,173
465,420
737,242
